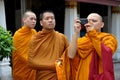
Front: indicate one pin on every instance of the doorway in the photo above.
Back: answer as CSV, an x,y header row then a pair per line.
x,y
57,6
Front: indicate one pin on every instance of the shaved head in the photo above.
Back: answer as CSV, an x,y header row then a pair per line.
x,y
95,15
26,14
95,21
29,19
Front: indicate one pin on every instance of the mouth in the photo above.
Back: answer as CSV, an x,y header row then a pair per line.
x,y
50,24
33,24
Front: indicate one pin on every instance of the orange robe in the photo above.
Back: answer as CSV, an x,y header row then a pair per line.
x,y
45,48
80,68
20,67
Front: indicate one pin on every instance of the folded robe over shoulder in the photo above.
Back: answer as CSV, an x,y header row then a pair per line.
x,y
21,69
81,67
45,48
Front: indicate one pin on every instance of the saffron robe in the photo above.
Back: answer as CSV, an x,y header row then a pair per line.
x,y
20,67
80,68
45,48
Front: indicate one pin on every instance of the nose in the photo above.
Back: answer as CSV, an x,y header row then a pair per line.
x,y
34,20
50,19
88,24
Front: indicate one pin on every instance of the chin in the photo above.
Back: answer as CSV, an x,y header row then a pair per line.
x,y
31,27
51,27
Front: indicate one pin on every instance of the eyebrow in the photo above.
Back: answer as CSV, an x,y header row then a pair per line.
x,y
92,19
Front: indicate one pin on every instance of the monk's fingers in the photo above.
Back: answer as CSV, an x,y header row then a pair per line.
x,y
59,59
77,21
77,26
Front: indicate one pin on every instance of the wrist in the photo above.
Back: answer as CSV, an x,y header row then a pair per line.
x,y
76,34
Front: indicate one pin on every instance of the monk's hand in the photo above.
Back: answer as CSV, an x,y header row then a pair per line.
x,y
59,62
77,26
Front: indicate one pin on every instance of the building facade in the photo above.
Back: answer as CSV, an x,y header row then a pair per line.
x,y
65,11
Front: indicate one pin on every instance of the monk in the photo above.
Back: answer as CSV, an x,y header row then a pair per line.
x,y
21,38
46,47
89,57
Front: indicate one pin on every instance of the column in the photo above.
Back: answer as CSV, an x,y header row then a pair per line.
x,y
115,29
5,69
70,15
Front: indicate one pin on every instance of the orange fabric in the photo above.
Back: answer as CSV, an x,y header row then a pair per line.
x,y
86,45
21,69
58,65
45,48
63,67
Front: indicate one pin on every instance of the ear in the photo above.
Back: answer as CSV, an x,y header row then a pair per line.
x,y
102,24
41,23
23,19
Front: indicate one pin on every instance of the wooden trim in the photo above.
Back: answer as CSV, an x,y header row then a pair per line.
x,y
102,2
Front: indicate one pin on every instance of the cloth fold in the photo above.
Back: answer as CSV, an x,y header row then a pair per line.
x,y
45,48
80,66
20,67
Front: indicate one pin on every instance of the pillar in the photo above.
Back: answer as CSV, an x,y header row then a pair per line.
x,y
115,29
70,15
5,69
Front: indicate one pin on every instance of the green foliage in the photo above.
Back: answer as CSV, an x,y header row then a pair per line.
x,y
6,43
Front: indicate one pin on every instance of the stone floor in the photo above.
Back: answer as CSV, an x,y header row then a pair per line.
x,y
117,70
6,72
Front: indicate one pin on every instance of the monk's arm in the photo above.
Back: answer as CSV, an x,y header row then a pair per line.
x,y
73,46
